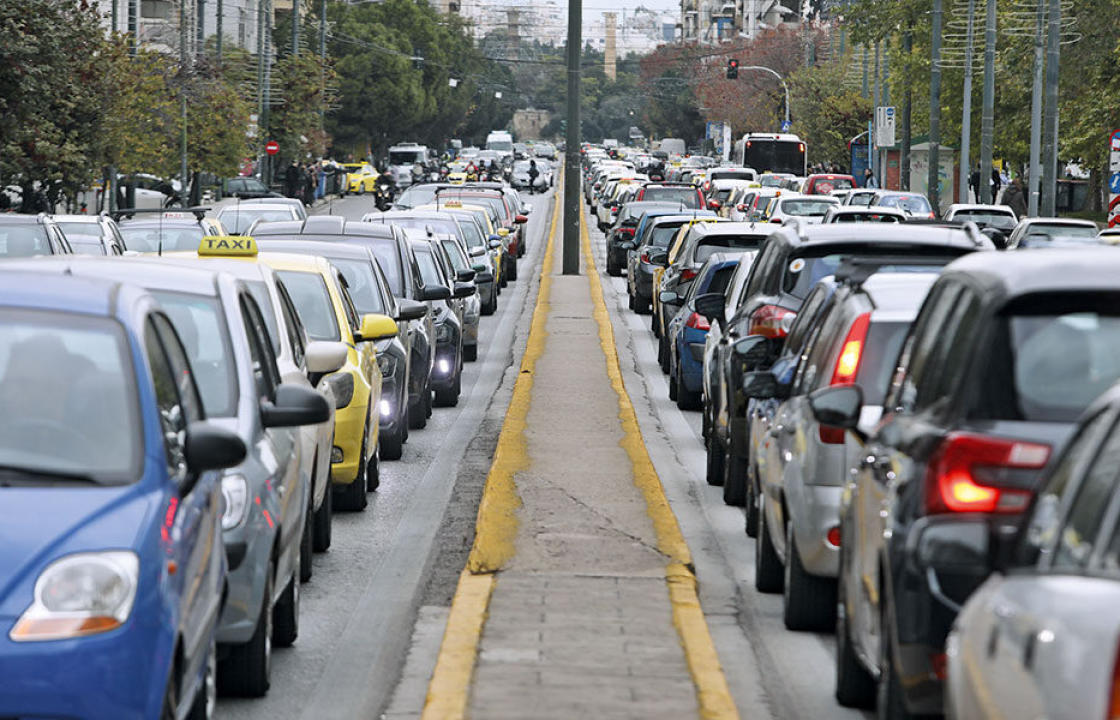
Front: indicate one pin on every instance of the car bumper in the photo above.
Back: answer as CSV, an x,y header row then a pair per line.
x,y
814,510
248,552
349,429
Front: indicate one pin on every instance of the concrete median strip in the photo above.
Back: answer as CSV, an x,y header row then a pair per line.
x,y
712,692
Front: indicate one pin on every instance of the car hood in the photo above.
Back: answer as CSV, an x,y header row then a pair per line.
x,y
43,523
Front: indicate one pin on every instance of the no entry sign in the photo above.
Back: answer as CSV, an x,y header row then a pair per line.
x,y
272,147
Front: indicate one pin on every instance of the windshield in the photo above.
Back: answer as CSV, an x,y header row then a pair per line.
x,y
361,283
24,241
405,157
1052,355
913,204
687,196
861,199
805,207
147,238
825,185
201,325
986,218
429,273
388,257
313,303
68,396
865,217
500,145
771,181
237,220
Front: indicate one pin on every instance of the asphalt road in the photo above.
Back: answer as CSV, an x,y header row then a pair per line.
x,y
772,672
408,547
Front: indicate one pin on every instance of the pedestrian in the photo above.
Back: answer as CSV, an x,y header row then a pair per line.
x,y
309,185
869,180
292,180
533,173
997,182
974,183
1015,197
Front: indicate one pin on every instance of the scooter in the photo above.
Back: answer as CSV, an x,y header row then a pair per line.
x,y
383,196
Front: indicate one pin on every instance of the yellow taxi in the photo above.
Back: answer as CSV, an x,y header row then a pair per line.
x,y
675,248
360,178
497,254
457,172
319,294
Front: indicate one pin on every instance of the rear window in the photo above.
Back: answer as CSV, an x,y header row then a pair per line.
x,y
913,204
718,243
987,219
803,207
720,279
1058,231
801,273
1052,355
662,235
827,185
151,238
880,353
237,220
687,196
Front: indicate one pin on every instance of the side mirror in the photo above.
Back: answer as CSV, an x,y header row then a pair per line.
x,y
435,292
837,405
521,219
503,232
324,357
464,290
376,326
760,384
210,447
659,257
495,242
410,310
753,350
710,305
484,276
670,297
295,405
465,275
478,252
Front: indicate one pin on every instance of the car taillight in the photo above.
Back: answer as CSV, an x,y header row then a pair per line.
x,y
696,321
1114,699
644,257
687,274
776,220
625,231
771,321
741,207
847,366
951,478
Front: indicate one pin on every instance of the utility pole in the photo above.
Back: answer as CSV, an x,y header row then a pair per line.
x,y
966,112
132,29
907,111
1050,120
113,17
933,191
183,100
572,207
295,27
987,116
1035,176
200,50
218,43
864,91
323,63
883,153
872,149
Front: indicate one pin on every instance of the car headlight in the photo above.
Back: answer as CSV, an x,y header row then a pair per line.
x,y
80,594
387,363
343,386
235,500
443,332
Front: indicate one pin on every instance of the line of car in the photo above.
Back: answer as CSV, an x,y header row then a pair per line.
x,y
922,431
180,424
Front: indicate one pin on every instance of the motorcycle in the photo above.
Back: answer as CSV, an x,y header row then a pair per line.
x,y
383,196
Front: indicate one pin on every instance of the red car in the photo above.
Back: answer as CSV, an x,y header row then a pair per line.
x,y
825,183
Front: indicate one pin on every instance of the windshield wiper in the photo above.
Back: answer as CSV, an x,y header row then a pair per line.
x,y
16,476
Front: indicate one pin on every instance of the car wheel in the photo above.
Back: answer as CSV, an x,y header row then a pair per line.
x,y
206,700
352,496
767,567
673,386
630,301
663,354
373,468
513,269
855,686
170,696
392,443
361,189
322,533
418,411
653,324
716,458
470,353
428,400
734,477
612,269
752,501
686,399
247,671
808,601
286,621
449,397
305,544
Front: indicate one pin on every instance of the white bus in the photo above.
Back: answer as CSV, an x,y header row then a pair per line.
x,y
772,152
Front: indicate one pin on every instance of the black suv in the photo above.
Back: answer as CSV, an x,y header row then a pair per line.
x,y
1007,351
791,261
29,235
623,231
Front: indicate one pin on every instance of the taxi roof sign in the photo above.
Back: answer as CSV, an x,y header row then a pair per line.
x,y
227,246
453,203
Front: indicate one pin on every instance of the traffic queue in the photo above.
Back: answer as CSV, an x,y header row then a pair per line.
x,y
917,414
186,398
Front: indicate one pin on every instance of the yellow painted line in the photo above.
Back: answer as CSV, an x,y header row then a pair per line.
x,y
495,529
712,693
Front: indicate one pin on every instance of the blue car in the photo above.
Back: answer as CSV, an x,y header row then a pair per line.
x,y
112,568
688,329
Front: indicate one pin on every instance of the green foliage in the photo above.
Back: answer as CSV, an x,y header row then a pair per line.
x,y
827,114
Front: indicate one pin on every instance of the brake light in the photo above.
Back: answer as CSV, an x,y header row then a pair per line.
x,y
644,257
951,482
741,207
771,321
625,231
847,366
687,274
696,321
1114,699
777,221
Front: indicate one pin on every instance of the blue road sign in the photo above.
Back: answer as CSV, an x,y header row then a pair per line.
x,y
786,125
1114,183
1114,141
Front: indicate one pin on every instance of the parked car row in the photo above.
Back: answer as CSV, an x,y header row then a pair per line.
x,y
922,433
180,424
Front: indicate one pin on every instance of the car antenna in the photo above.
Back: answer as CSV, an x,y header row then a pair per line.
x,y
159,247
237,213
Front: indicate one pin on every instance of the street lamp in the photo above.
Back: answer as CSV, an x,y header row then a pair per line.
x,y
780,79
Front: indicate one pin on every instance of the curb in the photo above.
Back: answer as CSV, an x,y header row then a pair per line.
x,y
712,693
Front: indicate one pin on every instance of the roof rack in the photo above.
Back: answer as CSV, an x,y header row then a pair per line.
x,y
854,271
198,212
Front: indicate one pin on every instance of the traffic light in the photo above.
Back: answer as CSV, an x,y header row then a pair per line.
x,y
732,69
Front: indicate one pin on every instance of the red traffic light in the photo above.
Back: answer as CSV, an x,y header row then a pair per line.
x,y
732,69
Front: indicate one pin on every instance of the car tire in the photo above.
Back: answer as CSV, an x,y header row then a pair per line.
x,y
247,670
686,399
352,496
654,328
470,353
663,358
612,269
492,306
734,480
672,386
751,502
418,413
449,397
715,461
630,301
855,686
808,601
373,468
285,624
321,539
305,544
392,443
513,270
428,400
768,574
206,700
